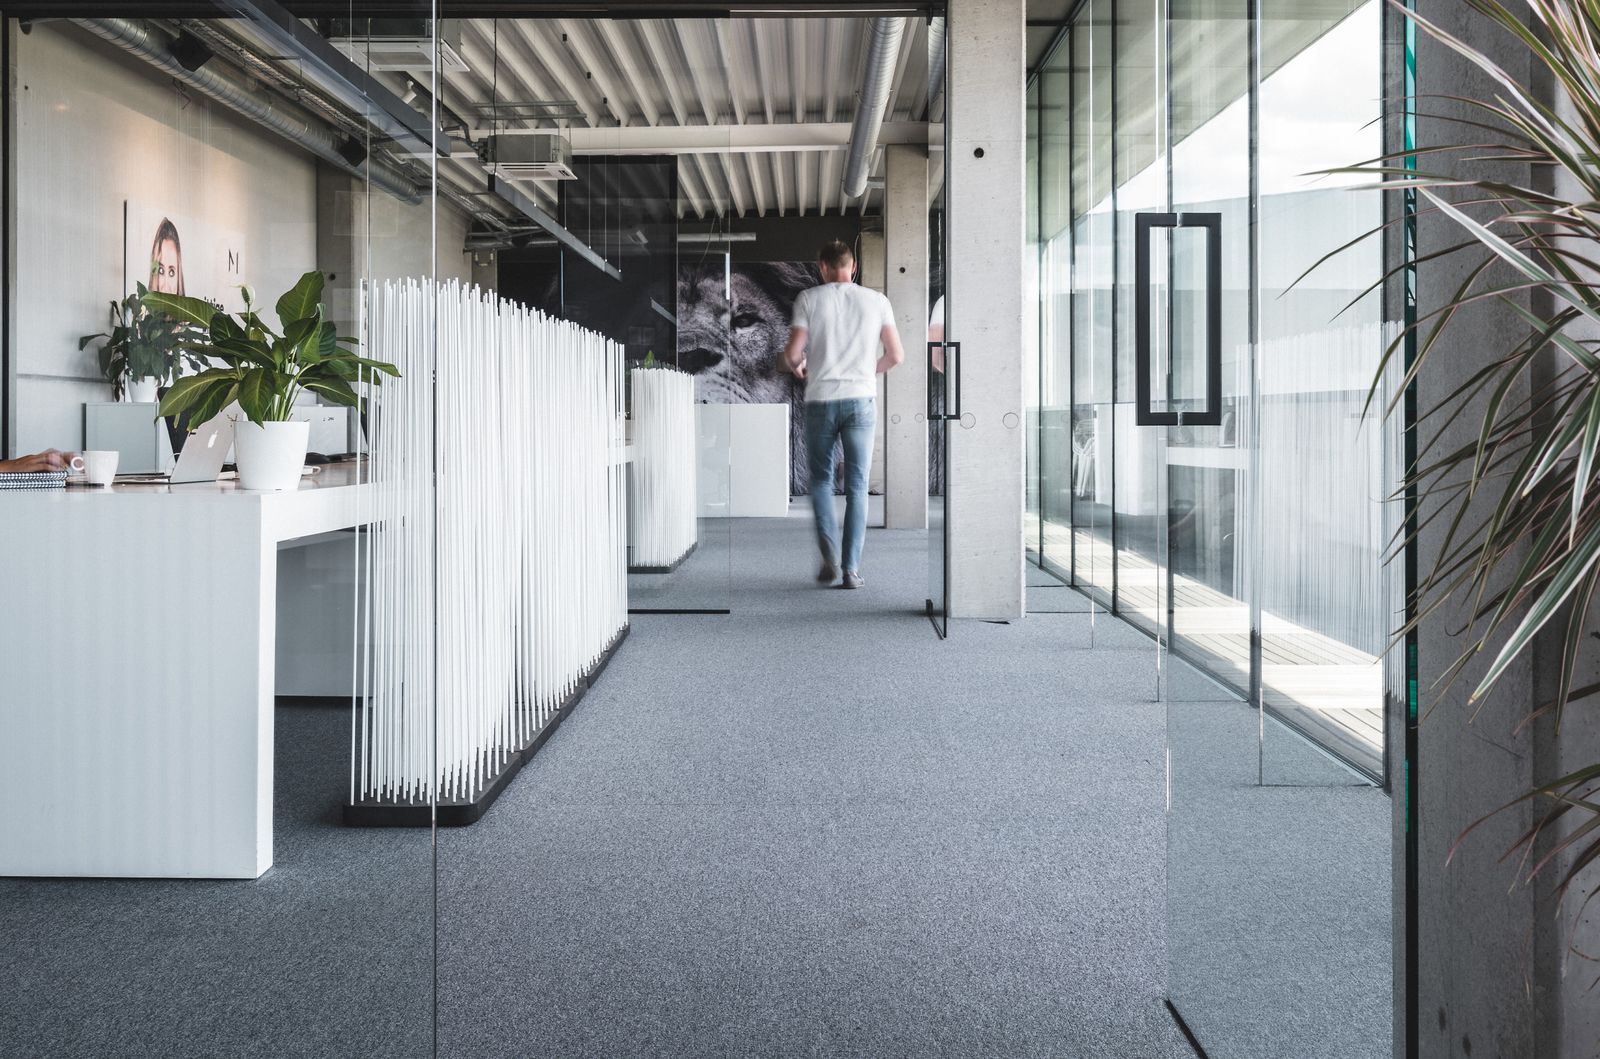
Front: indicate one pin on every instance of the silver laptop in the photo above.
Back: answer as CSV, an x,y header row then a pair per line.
x,y
204,453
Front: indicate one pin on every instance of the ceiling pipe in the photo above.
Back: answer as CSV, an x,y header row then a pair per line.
x,y
935,63
716,237
872,103
336,77
235,90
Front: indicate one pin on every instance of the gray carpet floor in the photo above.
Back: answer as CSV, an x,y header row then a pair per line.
x,y
808,828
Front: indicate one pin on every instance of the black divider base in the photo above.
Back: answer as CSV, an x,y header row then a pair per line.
x,y
460,813
679,561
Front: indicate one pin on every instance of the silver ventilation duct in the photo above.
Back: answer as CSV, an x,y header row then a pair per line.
x,y
218,80
935,63
882,50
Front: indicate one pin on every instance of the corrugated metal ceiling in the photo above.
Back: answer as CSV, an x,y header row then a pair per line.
x,y
752,80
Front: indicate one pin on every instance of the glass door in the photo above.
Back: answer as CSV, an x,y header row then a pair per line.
x,y
1267,492
1202,391
1216,485
943,362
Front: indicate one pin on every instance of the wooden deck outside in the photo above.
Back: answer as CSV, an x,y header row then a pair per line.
x,y
1323,686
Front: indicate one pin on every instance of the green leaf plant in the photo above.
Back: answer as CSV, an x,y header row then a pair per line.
x,y
141,343
264,370
1515,509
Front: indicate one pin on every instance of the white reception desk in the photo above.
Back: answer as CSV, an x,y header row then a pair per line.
x,y
137,649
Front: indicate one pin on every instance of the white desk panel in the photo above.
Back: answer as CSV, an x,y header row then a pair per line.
x,y
136,674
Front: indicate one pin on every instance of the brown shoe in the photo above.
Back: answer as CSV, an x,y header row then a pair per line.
x,y
827,574
852,580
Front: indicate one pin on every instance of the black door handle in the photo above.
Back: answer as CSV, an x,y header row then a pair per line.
x,y
1211,414
952,382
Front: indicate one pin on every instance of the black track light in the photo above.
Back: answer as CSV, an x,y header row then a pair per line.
x,y
353,151
191,52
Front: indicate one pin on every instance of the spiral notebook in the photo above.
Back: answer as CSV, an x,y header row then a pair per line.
x,y
33,480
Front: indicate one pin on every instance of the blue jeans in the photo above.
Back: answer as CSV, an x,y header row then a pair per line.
x,y
854,420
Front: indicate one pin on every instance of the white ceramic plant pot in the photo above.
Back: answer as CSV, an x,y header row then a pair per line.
x,y
142,391
270,456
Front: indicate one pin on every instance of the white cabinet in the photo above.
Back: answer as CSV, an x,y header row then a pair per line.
x,y
752,442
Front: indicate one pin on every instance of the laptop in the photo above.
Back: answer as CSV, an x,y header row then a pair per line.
x,y
204,452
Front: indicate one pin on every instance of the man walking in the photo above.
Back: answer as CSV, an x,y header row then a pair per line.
x,y
834,345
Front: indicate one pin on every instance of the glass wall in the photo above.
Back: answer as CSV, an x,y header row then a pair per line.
x,y
1291,464
1323,597
193,201
1234,510
1091,351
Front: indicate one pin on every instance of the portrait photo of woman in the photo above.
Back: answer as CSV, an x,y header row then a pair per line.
x,y
166,260
166,277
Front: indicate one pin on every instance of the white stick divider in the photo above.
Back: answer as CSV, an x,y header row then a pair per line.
x,y
496,562
663,518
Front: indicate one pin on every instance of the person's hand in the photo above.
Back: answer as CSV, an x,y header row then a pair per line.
x,y
800,371
48,460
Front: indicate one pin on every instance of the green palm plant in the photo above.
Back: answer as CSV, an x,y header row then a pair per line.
x,y
1518,508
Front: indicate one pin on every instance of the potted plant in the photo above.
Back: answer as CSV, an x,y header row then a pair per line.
x,y
264,371
143,349
1516,508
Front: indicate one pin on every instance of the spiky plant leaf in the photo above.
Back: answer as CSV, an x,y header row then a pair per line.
x,y
1516,511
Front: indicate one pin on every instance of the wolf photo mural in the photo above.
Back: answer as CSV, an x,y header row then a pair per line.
x,y
733,346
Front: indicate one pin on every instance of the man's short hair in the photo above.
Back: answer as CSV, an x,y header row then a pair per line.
x,y
836,254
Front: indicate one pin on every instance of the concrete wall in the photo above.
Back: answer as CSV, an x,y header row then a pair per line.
x,y
1568,1020
94,129
1496,975
362,235
1475,927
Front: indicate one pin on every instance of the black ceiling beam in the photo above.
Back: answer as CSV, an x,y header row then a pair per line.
x,y
465,8
514,197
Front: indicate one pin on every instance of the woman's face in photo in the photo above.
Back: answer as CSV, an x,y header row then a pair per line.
x,y
164,268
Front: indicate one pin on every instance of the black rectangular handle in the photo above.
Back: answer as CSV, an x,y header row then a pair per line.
x,y
952,382
1211,414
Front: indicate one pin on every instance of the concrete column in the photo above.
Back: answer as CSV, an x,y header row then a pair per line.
x,y
985,202
341,235
372,237
905,230
1500,968
871,270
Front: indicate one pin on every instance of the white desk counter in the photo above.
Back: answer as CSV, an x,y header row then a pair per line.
x,y
137,673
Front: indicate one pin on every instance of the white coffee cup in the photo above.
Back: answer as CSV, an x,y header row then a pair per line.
x,y
99,465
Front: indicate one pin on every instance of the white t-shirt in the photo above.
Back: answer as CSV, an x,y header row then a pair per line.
x,y
844,324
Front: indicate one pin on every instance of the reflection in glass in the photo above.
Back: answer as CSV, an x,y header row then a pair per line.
x,y
1093,437
943,370
1324,616
1252,549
